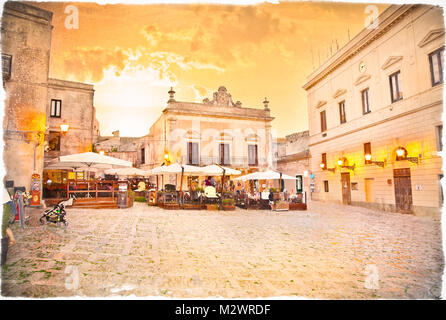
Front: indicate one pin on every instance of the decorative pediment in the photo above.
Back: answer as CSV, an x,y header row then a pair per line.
x,y
252,138
362,78
192,134
391,61
321,103
431,36
339,92
225,136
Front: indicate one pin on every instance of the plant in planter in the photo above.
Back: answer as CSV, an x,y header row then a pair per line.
x,y
131,198
228,204
212,206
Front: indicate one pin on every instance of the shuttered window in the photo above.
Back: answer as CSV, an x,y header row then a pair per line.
x,y
56,106
192,153
323,121
253,159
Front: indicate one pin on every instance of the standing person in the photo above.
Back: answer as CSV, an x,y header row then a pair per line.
x,y
208,182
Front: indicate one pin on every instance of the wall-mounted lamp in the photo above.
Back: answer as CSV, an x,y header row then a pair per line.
x,y
401,154
322,165
101,152
64,127
368,158
343,163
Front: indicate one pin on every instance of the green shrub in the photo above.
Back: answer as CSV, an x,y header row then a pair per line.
x,y
131,194
228,202
140,199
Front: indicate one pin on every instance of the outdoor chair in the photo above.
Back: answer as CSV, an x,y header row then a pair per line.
x,y
210,194
264,200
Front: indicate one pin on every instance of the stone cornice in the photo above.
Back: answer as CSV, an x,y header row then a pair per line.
x,y
28,12
387,19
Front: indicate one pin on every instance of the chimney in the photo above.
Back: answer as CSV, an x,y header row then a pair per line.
x,y
115,134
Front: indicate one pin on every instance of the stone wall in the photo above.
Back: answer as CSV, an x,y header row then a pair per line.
x,y
77,111
26,37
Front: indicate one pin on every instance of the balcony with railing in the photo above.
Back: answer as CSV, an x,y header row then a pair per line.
x,y
239,162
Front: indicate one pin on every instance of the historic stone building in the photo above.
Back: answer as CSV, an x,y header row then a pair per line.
x,y
375,115
124,148
36,106
294,160
214,131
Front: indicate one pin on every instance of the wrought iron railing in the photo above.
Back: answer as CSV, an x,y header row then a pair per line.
x,y
230,162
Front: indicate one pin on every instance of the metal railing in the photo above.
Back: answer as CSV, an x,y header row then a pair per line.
x,y
229,162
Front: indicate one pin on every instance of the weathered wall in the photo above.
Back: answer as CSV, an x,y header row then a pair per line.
x,y
77,110
26,36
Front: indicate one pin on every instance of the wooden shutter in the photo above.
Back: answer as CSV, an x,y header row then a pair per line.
x,y
323,121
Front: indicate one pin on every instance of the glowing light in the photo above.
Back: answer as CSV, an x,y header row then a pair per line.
x,y
101,152
340,162
64,127
322,165
400,152
368,157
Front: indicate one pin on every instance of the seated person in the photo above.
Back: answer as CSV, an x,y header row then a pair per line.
x,y
141,186
208,182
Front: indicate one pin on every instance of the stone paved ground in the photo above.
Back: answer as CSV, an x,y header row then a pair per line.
x,y
329,251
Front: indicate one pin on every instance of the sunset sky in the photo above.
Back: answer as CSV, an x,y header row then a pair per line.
x,y
134,53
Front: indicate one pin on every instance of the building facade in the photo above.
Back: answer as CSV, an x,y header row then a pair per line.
x,y
124,148
214,131
375,115
36,105
295,161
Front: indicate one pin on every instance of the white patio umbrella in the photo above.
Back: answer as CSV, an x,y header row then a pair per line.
x,y
90,160
265,175
127,172
216,170
176,168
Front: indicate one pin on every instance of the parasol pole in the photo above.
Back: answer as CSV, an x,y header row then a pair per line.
x,y
222,183
280,182
181,184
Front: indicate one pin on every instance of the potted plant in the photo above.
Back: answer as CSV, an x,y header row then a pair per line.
x,y
211,206
228,204
131,198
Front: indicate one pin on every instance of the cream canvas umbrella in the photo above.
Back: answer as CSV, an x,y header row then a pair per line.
x,y
216,170
127,172
90,160
265,175
176,168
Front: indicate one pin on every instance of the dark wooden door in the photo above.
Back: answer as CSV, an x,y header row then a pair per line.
x,y
403,190
345,184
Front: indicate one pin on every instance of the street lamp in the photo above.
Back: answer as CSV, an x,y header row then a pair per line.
x,y
368,158
401,154
343,163
64,127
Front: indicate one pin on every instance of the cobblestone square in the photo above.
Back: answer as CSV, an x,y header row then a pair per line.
x,y
329,252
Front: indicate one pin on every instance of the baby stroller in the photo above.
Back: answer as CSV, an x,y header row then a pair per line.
x,y
57,214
